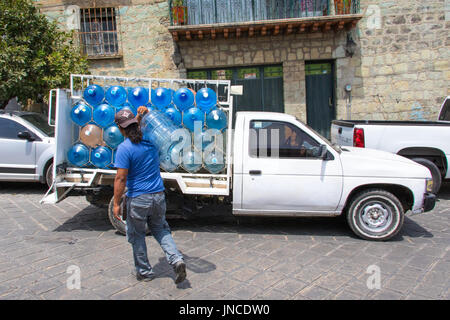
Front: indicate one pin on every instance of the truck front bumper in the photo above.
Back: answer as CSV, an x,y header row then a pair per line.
x,y
429,202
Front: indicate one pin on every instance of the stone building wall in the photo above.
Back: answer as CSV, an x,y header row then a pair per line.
x,y
400,69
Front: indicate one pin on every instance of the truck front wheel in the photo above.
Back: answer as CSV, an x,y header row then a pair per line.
x,y
375,214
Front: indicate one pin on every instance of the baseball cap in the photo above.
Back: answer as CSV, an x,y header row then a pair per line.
x,y
124,118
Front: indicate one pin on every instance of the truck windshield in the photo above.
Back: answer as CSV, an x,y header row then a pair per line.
x,y
332,145
39,121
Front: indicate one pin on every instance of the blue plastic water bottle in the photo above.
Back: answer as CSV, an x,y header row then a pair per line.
x,y
116,95
161,97
192,161
138,96
210,136
94,94
183,98
173,114
191,116
104,115
78,155
206,99
81,113
214,161
216,119
112,136
128,106
101,156
165,159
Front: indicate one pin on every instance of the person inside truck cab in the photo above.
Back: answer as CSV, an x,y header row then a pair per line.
x,y
137,164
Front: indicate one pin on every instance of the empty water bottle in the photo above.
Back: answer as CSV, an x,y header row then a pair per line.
x,y
138,96
78,155
112,136
206,99
214,161
183,98
191,116
116,95
91,135
192,161
101,157
173,114
216,119
81,113
165,159
208,137
128,106
161,97
94,94
104,115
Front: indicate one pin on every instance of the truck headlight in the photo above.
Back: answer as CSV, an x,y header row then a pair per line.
x,y
429,185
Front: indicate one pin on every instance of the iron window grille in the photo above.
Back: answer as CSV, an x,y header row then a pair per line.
x,y
99,35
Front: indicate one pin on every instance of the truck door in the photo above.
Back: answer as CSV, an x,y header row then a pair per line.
x,y
284,173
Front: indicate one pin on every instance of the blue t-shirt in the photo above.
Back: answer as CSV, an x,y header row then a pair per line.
x,y
142,161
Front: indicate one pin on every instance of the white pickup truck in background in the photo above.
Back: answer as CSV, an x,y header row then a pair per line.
x,y
425,142
275,166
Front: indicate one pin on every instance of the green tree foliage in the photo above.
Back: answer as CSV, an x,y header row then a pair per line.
x,y
35,55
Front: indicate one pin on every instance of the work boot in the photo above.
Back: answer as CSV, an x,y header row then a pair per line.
x,y
180,271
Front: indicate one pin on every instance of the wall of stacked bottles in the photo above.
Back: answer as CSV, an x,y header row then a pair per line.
x,y
187,126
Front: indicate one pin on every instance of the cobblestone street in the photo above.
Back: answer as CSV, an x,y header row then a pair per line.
x,y
261,259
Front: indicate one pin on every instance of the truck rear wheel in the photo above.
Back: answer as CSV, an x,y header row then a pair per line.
x,y
434,170
375,214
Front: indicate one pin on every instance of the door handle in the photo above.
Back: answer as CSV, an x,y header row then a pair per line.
x,y
255,172
330,103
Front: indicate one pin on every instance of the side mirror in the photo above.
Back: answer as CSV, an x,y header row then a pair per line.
x,y
25,135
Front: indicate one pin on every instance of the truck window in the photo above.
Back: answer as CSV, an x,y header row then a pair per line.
x,y
278,139
9,129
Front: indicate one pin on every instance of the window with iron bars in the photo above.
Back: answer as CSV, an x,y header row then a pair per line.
x,y
99,35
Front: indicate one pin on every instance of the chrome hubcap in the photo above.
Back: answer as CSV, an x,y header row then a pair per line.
x,y
376,217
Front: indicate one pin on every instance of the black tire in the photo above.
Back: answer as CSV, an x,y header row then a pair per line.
x,y
119,225
100,201
375,214
435,173
49,175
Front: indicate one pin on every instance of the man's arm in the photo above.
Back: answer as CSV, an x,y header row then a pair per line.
x,y
120,183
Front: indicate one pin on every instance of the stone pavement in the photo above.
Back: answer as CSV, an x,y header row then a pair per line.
x,y
42,245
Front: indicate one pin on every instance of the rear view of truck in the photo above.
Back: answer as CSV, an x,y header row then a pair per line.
x,y
86,136
425,142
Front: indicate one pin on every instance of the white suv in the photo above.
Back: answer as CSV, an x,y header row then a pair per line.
x,y
26,147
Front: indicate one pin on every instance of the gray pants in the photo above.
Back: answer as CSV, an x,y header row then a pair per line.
x,y
149,209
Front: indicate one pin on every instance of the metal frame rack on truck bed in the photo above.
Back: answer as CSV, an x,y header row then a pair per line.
x,y
97,183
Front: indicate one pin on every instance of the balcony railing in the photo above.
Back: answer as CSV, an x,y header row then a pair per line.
x,y
200,12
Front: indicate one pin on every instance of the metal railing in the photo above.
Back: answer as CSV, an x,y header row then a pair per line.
x,y
194,12
99,36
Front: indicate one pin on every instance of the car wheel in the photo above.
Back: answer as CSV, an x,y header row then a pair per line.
x,y
119,224
375,214
435,173
49,175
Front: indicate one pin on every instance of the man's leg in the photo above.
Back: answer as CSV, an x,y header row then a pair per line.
x,y
161,231
136,226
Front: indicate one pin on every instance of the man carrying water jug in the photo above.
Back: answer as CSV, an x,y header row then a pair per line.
x,y
137,164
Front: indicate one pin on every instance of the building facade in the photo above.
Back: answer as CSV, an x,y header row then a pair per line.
x,y
316,59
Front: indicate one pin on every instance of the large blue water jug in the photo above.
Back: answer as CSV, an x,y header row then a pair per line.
x,y
81,113
112,136
217,119
209,136
78,155
94,94
192,161
116,95
206,99
161,97
214,161
128,106
138,96
101,157
191,116
173,114
165,157
183,98
104,115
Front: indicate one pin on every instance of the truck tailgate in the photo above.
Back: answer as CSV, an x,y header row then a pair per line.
x,y
342,133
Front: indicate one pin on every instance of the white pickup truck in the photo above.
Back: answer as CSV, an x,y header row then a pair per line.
x,y
276,166
425,142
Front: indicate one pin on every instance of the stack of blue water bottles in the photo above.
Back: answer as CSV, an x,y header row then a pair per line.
x,y
188,128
